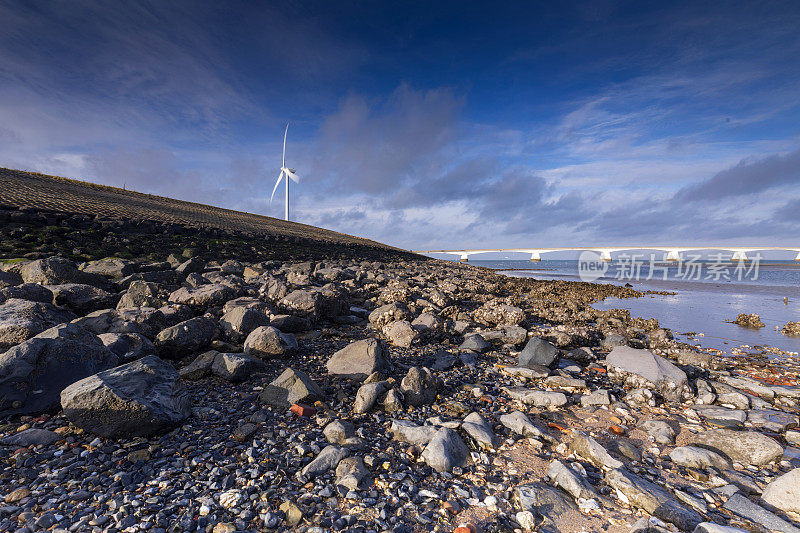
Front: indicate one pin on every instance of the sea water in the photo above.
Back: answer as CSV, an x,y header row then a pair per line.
x,y
704,298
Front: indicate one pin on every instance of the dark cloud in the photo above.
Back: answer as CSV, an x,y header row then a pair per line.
x,y
750,176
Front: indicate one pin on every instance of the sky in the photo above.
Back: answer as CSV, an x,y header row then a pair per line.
x,y
425,125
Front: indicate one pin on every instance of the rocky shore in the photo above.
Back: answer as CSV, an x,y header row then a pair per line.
x,y
200,393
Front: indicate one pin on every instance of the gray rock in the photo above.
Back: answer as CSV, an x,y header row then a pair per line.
x,y
235,366
538,352
771,420
291,387
185,338
401,333
476,343
528,373
613,340
350,472
28,291
327,460
214,294
9,279
82,298
520,424
537,398
652,499
388,313
140,294
268,341
291,323
128,346
57,270
746,447
393,401
641,368
740,505
567,480
660,431
358,360
110,267
547,502
783,492
193,265
717,412
368,395
239,322
419,386
32,437
200,367
480,430
694,457
20,320
591,450
445,451
34,373
141,398
494,312
710,527
406,431
339,432
596,397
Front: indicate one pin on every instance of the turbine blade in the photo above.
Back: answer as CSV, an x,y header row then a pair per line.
x,y
295,177
275,188
284,144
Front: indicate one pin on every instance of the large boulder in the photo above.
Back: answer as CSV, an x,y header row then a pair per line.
x,y
401,333
20,320
56,271
128,346
783,492
9,279
267,341
27,291
34,373
314,303
537,352
235,366
652,499
643,369
291,387
388,313
494,313
82,298
140,294
137,399
419,386
445,451
358,360
185,338
239,322
745,447
110,267
214,294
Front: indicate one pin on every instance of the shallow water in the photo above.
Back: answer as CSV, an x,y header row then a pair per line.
x,y
699,305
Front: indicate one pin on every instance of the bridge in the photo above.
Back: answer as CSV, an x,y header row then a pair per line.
x,y
673,253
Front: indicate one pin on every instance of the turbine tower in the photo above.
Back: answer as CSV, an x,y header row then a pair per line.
x,y
287,173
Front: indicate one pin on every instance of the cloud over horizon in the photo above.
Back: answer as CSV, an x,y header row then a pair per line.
x,y
657,125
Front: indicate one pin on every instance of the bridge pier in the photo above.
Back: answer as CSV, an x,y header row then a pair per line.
x,y
739,255
798,257
673,255
464,258
537,257
605,255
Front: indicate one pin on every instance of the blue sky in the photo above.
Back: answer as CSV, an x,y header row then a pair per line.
x,y
426,124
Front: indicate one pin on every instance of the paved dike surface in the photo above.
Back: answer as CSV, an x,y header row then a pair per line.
x,y
42,192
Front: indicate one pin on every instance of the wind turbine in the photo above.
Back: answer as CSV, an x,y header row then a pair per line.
x,y
287,173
